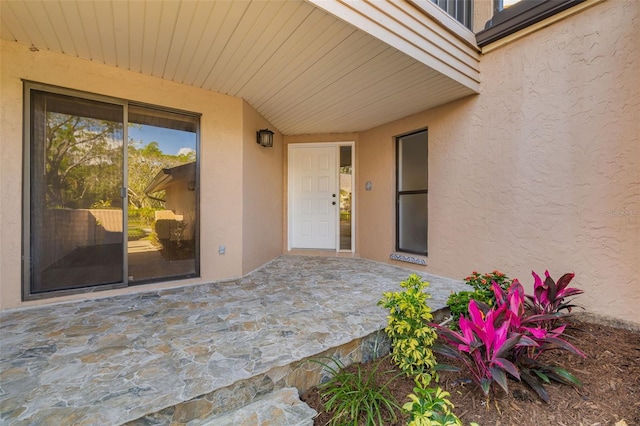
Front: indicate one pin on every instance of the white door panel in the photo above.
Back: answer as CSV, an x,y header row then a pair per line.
x,y
314,197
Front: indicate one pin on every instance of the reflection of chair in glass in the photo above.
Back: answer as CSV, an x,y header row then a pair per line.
x,y
171,230
177,232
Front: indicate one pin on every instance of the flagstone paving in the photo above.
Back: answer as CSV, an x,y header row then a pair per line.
x,y
113,360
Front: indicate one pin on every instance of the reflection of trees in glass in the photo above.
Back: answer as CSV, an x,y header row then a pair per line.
x,y
83,161
345,193
84,164
145,161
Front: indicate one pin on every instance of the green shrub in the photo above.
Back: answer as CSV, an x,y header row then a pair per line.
x,y
134,234
430,407
409,330
458,302
101,204
142,216
481,284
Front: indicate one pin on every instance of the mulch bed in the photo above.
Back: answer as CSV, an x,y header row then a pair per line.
x,y
610,394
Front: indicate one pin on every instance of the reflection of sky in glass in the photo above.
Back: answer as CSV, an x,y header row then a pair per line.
x,y
507,3
170,141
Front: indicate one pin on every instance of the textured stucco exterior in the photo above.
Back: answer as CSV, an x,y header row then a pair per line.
x,y
223,182
540,171
262,192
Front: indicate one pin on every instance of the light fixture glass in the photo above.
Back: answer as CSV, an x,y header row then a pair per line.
x,y
265,137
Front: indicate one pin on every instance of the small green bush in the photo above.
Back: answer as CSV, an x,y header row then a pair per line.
x,y
409,329
458,303
142,216
430,407
483,282
134,234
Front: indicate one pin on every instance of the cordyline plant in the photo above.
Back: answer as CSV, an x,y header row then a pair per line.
x,y
549,296
483,345
509,338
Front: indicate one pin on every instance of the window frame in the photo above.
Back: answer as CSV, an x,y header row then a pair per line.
x,y
400,193
458,7
520,16
28,86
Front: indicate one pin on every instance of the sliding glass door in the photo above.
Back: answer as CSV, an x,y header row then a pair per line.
x,y
75,209
110,193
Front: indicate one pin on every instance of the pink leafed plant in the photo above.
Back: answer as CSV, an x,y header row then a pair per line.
x,y
511,336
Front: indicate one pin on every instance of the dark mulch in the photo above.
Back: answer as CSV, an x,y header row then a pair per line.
x,y
610,393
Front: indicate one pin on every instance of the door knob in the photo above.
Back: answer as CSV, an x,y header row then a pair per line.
x,y
334,203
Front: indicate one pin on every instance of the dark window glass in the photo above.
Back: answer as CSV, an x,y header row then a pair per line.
x,y
411,194
461,10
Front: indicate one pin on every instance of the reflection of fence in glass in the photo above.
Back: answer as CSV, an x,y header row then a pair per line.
x,y
67,230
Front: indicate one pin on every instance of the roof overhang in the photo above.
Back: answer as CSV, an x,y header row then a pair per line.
x,y
309,67
169,176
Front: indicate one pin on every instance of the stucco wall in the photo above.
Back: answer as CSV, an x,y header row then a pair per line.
x,y
540,171
262,194
221,155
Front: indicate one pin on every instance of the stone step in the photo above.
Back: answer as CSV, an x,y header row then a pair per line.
x,y
271,398
238,398
282,407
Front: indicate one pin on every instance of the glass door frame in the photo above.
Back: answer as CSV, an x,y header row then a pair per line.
x,y
352,145
27,293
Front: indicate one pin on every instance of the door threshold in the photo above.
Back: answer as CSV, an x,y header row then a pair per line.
x,y
320,252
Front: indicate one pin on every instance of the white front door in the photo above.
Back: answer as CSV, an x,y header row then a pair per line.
x,y
314,197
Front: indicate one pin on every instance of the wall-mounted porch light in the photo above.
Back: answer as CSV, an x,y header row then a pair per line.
x,y
265,137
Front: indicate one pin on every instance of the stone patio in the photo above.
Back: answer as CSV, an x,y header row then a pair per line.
x,y
188,354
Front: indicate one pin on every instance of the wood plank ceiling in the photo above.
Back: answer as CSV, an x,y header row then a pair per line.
x,y
303,69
